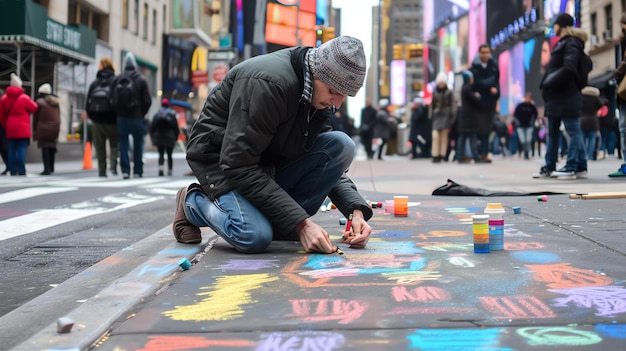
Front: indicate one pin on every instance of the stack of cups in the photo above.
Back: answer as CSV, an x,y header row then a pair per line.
x,y
480,230
401,206
496,225
389,206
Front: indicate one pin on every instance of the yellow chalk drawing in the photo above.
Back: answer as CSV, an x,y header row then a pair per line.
x,y
225,302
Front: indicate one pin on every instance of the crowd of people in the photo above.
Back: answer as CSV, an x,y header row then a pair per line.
x,y
117,108
577,124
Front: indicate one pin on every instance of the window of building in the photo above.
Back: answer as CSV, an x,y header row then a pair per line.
x,y
164,18
594,24
154,26
136,16
146,11
125,14
608,14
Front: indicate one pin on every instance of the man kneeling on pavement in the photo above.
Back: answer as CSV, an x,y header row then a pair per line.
x,y
265,156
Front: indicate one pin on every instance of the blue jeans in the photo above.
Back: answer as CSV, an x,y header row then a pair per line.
x,y
607,143
525,135
576,159
622,129
462,148
136,128
308,180
589,138
17,155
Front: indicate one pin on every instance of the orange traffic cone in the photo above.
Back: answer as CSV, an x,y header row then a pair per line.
x,y
87,158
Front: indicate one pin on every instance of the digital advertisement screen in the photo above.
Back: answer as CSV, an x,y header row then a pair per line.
x,y
553,8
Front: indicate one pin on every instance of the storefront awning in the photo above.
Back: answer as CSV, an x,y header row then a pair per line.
x,y
24,22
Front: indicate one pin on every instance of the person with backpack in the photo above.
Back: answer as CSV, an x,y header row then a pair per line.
x,y
164,134
131,100
15,110
104,118
46,126
561,90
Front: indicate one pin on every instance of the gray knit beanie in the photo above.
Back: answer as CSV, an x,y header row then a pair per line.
x,y
340,63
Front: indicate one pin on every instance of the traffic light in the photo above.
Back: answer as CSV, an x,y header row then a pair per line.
x,y
414,51
398,52
328,33
319,34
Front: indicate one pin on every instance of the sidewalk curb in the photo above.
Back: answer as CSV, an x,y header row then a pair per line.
x,y
94,318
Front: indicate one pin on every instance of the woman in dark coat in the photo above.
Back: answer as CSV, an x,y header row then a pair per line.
x,y
46,126
561,90
164,134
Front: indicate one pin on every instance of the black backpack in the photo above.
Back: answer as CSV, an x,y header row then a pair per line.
x,y
100,98
123,97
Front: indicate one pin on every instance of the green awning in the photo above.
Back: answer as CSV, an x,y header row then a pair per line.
x,y
22,21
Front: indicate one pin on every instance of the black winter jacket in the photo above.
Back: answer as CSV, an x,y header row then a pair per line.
x,y
164,128
470,110
486,78
253,122
106,74
559,84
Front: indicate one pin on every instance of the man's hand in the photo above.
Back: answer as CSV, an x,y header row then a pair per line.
x,y
494,91
359,233
314,238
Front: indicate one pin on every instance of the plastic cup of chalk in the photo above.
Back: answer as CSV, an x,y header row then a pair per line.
x,y
184,264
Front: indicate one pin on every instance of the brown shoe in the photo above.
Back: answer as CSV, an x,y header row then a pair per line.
x,y
183,230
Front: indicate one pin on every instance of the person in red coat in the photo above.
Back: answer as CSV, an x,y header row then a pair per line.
x,y
46,126
15,110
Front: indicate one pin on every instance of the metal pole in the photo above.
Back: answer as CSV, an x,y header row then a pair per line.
x,y
298,40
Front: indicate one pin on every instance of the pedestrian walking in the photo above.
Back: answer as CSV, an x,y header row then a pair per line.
x,y
442,110
164,134
383,127
103,117
620,73
131,100
525,115
265,156
487,84
420,130
589,121
4,149
15,110
46,126
368,120
468,121
561,90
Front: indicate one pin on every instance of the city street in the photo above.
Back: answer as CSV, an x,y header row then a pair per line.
x,y
416,284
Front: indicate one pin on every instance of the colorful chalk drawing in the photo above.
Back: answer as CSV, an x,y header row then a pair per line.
x,y
225,301
441,233
175,343
558,336
516,307
608,301
563,276
319,310
616,331
249,265
301,340
535,257
403,270
454,339
422,294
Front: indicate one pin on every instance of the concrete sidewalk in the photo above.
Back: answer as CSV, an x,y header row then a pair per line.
x,y
559,283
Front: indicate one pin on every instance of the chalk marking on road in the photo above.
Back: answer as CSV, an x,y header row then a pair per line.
x,y
27,193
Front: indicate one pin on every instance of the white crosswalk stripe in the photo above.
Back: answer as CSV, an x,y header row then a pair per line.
x,y
146,190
